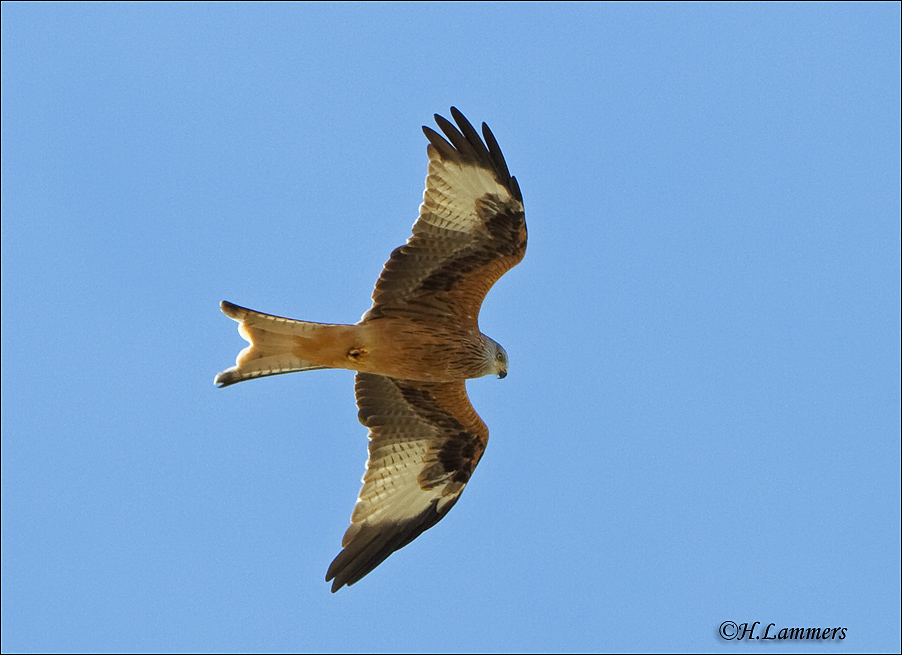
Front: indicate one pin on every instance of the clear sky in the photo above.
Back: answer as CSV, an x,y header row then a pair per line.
x,y
702,418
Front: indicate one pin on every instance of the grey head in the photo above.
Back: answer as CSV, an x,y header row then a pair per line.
x,y
496,358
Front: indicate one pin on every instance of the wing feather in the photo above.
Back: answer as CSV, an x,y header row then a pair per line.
x,y
470,230
425,441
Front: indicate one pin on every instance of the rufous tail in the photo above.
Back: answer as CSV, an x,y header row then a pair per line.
x,y
277,345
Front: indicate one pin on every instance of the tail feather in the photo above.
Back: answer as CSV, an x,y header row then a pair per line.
x,y
273,345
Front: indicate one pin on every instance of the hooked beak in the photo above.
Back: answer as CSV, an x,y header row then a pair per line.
x,y
502,375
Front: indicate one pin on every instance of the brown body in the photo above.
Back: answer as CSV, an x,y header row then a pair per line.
x,y
403,348
399,347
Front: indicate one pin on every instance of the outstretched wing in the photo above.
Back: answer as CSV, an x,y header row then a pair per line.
x,y
471,230
425,441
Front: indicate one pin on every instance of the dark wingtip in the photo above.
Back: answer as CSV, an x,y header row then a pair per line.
x,y
459,118
463,142
374,543
445,149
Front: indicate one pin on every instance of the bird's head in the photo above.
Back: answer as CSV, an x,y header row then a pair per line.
x,y
496,358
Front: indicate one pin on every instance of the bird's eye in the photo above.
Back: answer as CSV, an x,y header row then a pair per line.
x,y
499,357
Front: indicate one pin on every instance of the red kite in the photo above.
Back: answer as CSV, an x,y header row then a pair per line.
x,y
414,348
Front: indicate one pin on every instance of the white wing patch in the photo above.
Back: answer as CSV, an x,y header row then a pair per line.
x,y
452,190
392,473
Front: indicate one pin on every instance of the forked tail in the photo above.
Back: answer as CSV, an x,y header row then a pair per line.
x,y
277,345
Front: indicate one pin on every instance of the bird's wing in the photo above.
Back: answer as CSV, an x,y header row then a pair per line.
x,y
470,231
425,441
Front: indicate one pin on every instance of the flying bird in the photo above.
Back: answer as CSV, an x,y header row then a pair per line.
x,y
414,348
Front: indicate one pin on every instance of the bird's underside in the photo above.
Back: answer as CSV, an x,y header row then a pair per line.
x,y
399,347
414,348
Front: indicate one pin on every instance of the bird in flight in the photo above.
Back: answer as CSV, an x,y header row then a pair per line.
x,y
414,348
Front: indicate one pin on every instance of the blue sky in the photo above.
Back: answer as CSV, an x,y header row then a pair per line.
x,y
702,418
